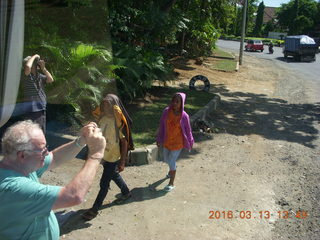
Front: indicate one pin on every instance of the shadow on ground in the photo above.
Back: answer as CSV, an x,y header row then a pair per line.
x,y
272,118
139,194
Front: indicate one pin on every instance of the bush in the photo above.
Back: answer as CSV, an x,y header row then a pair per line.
x,y
139,68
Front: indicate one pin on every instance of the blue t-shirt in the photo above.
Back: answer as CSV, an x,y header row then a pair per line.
x,y
25,205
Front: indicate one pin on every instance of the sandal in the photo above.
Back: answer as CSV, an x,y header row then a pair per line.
x,y
90,214
169,188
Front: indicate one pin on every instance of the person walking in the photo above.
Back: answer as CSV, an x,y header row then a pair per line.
x,y
174,134
115,123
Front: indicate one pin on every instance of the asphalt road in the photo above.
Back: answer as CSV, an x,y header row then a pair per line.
x,y
310,70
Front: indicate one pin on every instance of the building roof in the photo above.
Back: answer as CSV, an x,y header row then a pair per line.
x,y
269,14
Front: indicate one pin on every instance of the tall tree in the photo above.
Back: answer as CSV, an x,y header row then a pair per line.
x,y
298,16
259,20
252,9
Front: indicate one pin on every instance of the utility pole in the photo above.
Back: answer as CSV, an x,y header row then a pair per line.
x,y
243,30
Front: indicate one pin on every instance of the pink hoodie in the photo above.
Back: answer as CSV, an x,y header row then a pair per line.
x,y
184,123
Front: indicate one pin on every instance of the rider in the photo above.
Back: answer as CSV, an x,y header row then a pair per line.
x,y
271,47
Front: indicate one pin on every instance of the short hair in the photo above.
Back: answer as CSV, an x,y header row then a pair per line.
x,y
17,137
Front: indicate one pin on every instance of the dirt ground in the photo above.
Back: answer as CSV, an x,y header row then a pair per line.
x,y
256,178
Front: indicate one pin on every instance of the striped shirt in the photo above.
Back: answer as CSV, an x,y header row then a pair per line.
x,y
35,96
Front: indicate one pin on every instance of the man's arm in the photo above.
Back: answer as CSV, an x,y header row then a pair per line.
x,y
42,65
69,150
74,193
28,65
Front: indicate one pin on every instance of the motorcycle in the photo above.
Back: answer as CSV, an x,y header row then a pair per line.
x,y
271,48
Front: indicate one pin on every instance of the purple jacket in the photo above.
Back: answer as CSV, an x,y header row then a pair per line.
x,y
184,123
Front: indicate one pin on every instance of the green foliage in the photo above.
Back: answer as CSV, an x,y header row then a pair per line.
x,y
300,17
73,36
203,40
250,23
181,25
259,20
140,67
81,80
78,3
268,27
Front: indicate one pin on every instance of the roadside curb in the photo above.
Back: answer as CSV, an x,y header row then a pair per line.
x,y
143,155
221,57
237,67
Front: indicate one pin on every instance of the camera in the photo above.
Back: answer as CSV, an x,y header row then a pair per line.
x,y
36,61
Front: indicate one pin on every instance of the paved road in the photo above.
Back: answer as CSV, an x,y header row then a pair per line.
x,y
309,69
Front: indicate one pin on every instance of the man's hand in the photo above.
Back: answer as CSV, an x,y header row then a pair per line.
x,y
95,141
42,65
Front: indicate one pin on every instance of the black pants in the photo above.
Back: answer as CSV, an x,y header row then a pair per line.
x,y
109,173
38,117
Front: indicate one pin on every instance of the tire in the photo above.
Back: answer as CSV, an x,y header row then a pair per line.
x,y
199,78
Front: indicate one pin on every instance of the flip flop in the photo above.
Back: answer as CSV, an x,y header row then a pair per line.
x,y
169,188
90,214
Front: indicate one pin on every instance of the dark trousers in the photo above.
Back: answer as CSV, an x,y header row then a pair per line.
x,y
109,173
38,117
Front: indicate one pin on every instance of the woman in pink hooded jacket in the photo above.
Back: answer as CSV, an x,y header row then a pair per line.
x,y
174,134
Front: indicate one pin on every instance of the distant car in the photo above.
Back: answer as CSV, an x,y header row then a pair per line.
x,y
254,45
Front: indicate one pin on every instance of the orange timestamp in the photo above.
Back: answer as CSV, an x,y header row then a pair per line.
x,y
247,214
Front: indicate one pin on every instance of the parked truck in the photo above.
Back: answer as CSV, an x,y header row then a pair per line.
x,y
301,48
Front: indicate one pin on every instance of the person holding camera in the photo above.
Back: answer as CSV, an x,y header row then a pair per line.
x,y
27,205
36,100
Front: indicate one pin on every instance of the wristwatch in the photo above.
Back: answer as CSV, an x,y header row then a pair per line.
x,y
77,142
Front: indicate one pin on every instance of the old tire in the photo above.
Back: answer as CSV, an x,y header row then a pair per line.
x,y
202,78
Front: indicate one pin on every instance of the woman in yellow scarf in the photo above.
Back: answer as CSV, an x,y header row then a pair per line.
x,y
115,124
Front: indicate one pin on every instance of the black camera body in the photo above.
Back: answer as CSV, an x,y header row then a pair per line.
x,y
36,61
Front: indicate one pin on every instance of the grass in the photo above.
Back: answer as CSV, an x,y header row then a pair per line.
x,y
222,54
224,61
227,65
146,118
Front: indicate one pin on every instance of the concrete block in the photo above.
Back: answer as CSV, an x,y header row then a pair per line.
x,y
208,110
152,153
139,156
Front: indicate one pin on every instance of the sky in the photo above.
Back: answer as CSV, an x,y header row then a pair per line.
x,y
274,3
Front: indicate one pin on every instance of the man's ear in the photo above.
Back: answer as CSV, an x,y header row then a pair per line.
x,y
21,155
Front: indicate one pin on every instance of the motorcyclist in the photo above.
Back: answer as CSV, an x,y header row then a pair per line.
x,y
270,47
